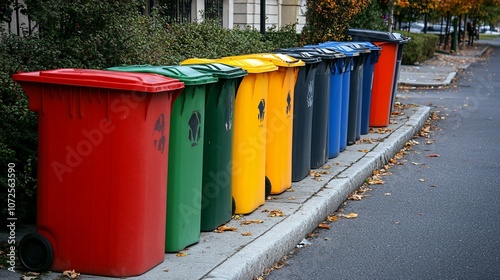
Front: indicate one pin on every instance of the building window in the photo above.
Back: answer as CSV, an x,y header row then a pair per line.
x,y
176,10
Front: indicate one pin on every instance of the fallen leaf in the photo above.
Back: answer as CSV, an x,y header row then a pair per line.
x,y
363,151
71,274
349,216
291,198
30,275
356,197
224,228
290,190
165,270
276,213
332,218
433,155
247,222
181,254
323,226
375,180
279,265
246,233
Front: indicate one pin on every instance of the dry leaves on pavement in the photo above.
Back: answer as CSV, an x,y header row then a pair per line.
x,y
71,274
224,228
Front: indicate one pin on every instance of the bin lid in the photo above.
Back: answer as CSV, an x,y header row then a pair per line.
x,y
220,70
326,51
185,74
313,52
252,65
347,50
369,45
371,35
302,55
102,79
402,39
278,59
359,47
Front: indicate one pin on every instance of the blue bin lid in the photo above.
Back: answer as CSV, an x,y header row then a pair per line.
x,y
369,45
326,51
359,47
315,51
347,50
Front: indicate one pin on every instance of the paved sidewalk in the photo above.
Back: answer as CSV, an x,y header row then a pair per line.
x,y
440,70
231,255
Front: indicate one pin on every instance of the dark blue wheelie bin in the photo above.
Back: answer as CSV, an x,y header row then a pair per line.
x,y
368,70
302,113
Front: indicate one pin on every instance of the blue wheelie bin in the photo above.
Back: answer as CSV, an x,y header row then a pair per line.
x,y
349,92
335,107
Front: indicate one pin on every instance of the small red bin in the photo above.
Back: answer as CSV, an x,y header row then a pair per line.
x,y
102,170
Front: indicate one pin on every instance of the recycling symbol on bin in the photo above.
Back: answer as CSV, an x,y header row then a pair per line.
x,y
288,103
310,94
194,128
261,107
160,141
228,114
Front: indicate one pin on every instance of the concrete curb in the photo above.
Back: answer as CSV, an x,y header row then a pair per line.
x,y
483,51
252,259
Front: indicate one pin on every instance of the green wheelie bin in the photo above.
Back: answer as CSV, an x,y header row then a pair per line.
x,y
186,153
216,198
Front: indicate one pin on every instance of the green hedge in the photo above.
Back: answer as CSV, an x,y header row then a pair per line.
x,y
77,37
419,49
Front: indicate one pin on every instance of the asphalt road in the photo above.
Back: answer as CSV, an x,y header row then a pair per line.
x,y
435,217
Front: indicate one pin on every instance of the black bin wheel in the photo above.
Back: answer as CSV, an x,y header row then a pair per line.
x,y
268,188
35,252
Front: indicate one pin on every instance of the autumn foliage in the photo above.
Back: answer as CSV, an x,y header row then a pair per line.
x,y
327,20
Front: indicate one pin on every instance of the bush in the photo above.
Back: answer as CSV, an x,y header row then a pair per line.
x,y
419,49
99,34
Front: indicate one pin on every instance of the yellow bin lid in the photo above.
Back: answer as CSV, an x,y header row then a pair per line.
x,y
198,61
278,59
251,65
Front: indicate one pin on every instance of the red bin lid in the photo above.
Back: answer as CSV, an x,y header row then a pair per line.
x,y
143,82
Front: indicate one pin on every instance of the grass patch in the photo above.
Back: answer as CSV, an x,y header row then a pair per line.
x,y
488,36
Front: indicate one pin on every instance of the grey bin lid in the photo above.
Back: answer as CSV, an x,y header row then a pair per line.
x,y
372,35
305,56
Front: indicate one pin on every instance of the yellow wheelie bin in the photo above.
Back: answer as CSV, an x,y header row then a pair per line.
x,y
279,119
249,138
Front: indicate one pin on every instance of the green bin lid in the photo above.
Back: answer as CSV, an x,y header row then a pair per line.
x,y
185,74
278,59
220,70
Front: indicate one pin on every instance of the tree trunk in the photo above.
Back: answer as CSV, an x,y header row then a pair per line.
x,y
446,33
425,22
